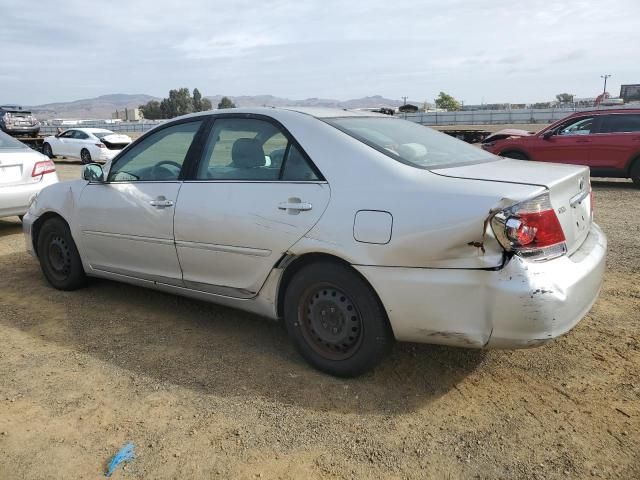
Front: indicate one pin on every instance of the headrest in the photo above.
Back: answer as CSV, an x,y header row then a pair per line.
x,y
247,153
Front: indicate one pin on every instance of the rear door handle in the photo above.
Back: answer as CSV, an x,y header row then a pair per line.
x,y
295,206
161,202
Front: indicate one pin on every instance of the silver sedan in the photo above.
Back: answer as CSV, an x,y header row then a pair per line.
x,y
356,229
23,173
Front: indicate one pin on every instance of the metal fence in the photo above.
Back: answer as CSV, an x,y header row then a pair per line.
x,y
124,127
493,117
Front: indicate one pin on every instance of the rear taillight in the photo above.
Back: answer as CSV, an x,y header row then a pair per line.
x,y
40,168
530,229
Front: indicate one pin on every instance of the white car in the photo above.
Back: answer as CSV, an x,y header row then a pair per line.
x,y
87,144
23,173
355,228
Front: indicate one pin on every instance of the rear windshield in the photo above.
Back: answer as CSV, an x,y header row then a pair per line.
x,y
411,143
10,143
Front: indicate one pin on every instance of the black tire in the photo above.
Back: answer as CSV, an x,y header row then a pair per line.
x,y
635,172
85,156
46,150
336,320
59,257
515,155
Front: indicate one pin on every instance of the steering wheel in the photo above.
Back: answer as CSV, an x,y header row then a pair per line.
x,y
158,167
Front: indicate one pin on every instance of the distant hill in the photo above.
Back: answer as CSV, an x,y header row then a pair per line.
x,y
271,101
105,105
99,107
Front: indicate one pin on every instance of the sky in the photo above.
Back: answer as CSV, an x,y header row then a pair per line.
x,y
476,50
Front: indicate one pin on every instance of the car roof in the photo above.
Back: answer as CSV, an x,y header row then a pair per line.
x,y
601,111
317,112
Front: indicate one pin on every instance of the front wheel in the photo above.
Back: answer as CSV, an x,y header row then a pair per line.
x,y
336,320
59,257
85,156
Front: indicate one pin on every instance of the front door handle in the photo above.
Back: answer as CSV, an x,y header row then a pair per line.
x,y
161,202
294,206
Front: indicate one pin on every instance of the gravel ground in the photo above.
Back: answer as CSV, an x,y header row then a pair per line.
x,y
209,392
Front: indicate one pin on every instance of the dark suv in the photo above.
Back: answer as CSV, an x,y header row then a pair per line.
x,y
607,141
15,120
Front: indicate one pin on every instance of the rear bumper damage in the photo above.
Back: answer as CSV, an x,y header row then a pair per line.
x,y
524,304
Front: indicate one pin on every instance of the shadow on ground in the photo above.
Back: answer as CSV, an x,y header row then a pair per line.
x,y
171,340
10,226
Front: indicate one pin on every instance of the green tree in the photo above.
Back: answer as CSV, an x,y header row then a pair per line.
x,y
564,98
226,103
178,103
206,105
151,110
447,102
197,100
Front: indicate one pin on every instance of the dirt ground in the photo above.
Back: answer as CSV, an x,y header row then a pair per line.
x,y
209,392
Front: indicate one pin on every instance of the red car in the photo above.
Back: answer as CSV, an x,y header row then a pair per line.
x,y
607,141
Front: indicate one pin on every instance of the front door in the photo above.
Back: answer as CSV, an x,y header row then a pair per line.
x,y
571,143
126,222
254,194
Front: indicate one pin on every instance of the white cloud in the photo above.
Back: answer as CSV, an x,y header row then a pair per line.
x,y
498,50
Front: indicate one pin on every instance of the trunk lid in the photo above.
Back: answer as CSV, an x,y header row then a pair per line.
x,y
569,189
16,167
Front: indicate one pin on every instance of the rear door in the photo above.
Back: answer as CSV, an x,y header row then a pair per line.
x,y
617,142
126,222
253,195
570,143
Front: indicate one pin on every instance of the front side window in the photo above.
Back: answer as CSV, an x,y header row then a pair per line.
x,y
581,126
68,134
158,157
621,123
251,149
409,142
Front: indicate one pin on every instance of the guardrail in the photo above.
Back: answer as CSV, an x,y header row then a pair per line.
x,y
495,117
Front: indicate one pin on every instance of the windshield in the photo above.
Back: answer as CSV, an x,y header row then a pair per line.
x,y
102,133
411,143
10,143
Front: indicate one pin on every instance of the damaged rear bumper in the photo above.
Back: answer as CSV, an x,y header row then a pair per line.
x,y
522,305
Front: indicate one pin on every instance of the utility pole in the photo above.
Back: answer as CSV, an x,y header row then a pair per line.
x,y
404,99
604,90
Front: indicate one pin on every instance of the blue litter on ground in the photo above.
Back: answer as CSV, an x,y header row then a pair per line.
x,y
125,454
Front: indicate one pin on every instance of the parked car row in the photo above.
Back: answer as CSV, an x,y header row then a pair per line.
x,y
607,141
357,229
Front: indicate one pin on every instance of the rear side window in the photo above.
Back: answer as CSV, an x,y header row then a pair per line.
x,y
621,123
254,150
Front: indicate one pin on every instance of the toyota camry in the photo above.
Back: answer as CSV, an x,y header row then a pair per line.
x,y
356,229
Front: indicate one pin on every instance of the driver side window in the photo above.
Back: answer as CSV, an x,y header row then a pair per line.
x,y
582,126
158,157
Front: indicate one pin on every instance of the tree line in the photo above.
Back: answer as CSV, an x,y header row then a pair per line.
x,y
180,102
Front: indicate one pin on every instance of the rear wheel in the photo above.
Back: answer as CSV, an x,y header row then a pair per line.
x,y
59,257
85,156
516,155
46,149
635,172
336,320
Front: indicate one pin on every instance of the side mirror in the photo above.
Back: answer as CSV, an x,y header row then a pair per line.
x,y
93,173
548,134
